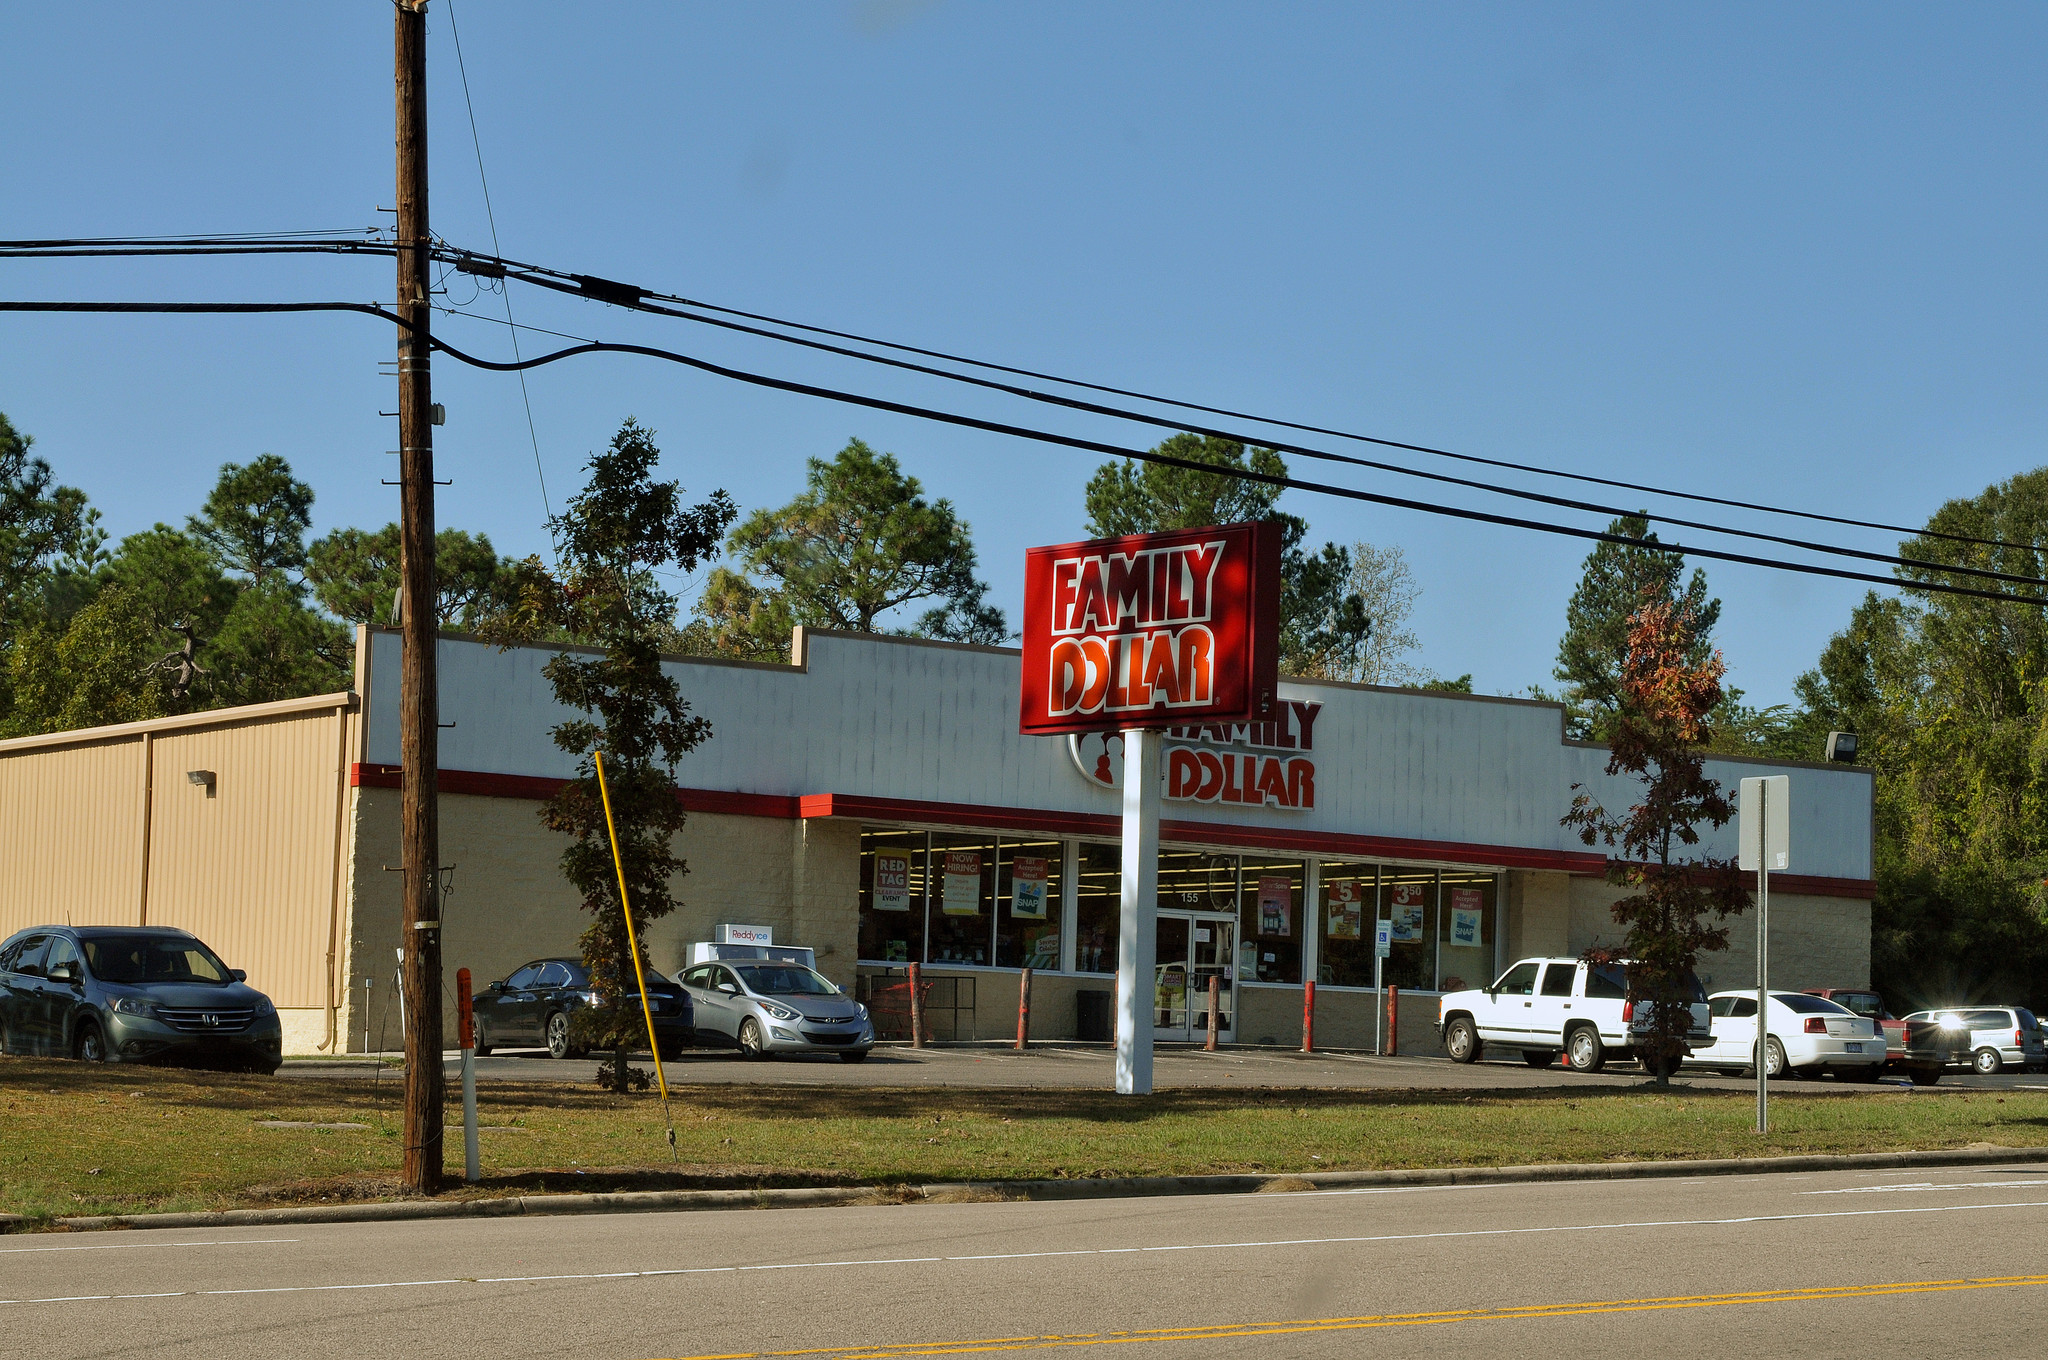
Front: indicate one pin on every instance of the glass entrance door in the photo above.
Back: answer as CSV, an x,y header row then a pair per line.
x,y
1191,949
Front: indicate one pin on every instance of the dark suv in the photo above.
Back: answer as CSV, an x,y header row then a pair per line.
x,y
131,994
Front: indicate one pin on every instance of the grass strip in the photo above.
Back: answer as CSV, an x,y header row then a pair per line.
x,y
77,1139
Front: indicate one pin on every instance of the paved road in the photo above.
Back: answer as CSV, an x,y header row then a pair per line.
x,y
1087,1065
1837,1264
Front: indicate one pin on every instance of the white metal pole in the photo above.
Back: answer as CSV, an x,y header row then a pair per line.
x,y
1137,925
471,1163
1379,992
1763,957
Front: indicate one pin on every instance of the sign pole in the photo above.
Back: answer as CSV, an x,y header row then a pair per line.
x,y
1765,809
1137,924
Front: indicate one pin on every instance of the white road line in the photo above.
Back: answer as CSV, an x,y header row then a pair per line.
x,y
1927,1185
1040,1255
134,1246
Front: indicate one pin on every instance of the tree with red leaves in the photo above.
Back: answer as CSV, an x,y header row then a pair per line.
x,y
1681,902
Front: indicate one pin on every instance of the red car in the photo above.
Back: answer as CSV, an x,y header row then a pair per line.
x,y
1870,1006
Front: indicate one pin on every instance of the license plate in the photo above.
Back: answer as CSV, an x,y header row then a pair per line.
x,y
1852,1048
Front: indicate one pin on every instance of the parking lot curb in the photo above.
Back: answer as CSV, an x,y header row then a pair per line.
x,y
1127,1187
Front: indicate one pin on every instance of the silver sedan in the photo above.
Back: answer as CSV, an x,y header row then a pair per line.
x,y
764,1008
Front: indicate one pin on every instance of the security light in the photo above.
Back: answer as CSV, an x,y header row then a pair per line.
x,y
1842,747
203,778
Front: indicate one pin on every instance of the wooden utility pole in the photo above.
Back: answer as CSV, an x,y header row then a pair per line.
x,y
418,697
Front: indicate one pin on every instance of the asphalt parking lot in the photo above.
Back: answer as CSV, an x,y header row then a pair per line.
x,y
1067,1065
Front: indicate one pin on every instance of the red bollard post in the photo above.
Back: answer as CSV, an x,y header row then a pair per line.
x,y
464,1029
1308,1016
1215,987
1393,1019
465,1033
1024,1011
916,1007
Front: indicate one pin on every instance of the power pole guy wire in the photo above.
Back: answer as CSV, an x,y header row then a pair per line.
x,y
633,946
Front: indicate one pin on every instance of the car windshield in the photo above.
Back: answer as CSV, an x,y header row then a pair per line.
x,y
784,979
144,959
1801,1003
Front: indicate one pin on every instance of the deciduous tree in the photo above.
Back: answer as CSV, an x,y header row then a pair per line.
x,y
613,540
1680,900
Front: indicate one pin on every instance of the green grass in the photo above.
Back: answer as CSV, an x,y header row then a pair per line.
x,y
89,1140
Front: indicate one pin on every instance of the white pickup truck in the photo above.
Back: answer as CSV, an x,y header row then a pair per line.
x,y
1549,1006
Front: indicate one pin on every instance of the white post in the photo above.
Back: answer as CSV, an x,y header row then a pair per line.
x,y
1763,970
1137,926
471,1163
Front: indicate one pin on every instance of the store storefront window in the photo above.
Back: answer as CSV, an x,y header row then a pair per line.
x,y
1271,921
1197,880
892,879
1408,899
1028,885
1350,893
1465,936
960,921
1100,900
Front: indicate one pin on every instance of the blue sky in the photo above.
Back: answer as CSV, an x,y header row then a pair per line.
x,y
1783,253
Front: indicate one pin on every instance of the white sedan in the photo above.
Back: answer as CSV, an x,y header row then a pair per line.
x,y
1808,1035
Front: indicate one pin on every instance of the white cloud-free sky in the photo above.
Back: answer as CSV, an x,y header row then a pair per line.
x,y
1790,254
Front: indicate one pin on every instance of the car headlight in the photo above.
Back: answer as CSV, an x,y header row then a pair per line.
x,y
133,1005
860,1011
779,1012
265,1008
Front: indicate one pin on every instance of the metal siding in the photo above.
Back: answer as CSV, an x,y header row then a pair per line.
x,y
250,870
891,718
71,835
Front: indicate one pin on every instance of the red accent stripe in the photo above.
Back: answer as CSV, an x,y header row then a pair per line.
x,y
1098,825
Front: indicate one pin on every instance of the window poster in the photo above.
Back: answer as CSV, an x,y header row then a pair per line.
x,y
1276,906
960,895
892,881
1347,911
1027,887
1407,902
1466,908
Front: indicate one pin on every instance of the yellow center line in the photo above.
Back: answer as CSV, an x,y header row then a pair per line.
x,y
1504,1313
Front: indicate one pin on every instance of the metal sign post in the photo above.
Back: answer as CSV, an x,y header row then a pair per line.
x,y
1138,923
1382,945
1765,825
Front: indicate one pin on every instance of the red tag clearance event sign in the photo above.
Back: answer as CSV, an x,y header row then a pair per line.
x,y
1152,630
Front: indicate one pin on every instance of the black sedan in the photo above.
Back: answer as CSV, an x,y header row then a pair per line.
x,y
131,994
532,1009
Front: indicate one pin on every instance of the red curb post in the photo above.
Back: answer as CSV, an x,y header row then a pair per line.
x,y
916,1007
465,1031
1215,988
1308,1016
1393,1019
1024,1011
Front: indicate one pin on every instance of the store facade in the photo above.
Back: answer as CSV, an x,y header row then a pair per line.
x,y
875,800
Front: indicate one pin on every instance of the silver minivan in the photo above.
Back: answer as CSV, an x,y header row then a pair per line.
x,y
2000,1036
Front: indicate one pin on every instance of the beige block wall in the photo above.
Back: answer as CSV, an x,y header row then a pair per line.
x,y
510,903
1815,941
1539,913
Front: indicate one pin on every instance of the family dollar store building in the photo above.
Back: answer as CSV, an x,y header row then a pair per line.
x,y
875,801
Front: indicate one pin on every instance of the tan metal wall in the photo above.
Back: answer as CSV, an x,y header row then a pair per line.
x,y
252,870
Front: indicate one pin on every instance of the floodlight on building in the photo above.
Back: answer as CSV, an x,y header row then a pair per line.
x,y
203,778
1842,747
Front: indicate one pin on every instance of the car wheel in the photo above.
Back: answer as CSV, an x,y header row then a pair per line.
x,y
89,1045
481,1038
1538,1057
1461,1041
1925,1076
1582,1050
857,1055
750,1039
558,1036
1987,1062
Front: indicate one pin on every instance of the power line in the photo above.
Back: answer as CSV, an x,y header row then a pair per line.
x,y
1049,437
634,297
506,293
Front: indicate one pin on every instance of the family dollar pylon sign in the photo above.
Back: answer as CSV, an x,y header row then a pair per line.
x,y
1135,635
1152,630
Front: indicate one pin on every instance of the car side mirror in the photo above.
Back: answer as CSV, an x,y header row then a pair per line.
x,y
64,972
239,974
497,986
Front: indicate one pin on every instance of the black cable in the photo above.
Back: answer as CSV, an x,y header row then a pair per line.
x,y
1094,408
1039,436
634,297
